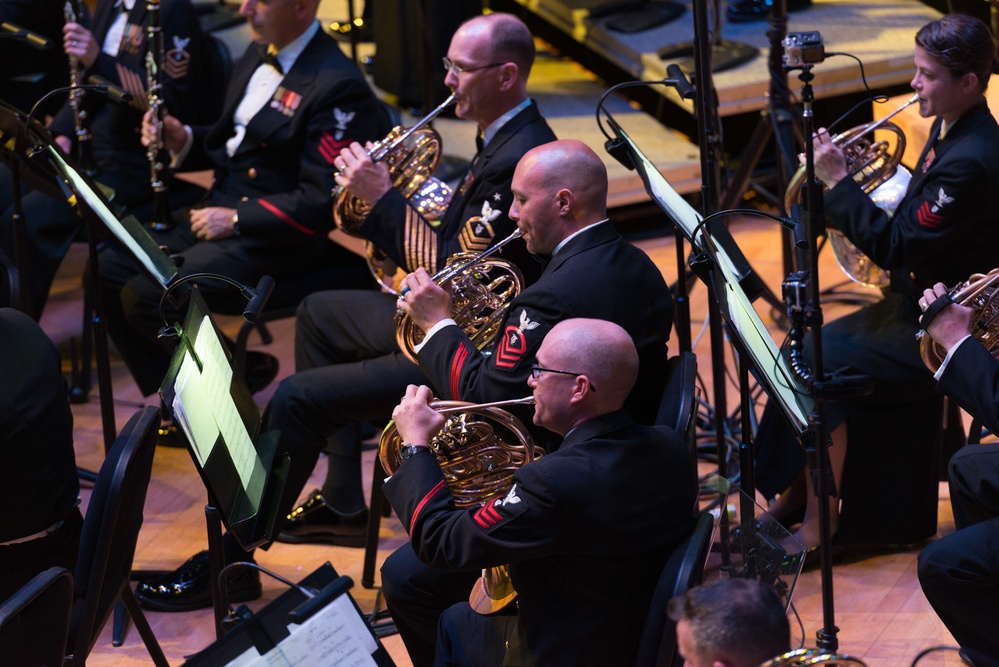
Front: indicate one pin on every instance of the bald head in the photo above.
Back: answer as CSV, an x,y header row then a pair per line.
x,y
601,350
558,189
572,165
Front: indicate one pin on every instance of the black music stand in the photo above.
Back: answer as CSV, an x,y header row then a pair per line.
x,y
243,470
314,623
720,266
104,223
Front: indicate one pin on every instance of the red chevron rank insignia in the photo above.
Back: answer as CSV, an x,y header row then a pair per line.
x,y
514,343
498,510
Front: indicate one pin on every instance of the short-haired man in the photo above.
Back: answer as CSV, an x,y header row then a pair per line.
x,y
730,623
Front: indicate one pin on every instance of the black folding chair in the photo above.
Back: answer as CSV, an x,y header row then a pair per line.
x,y
107,544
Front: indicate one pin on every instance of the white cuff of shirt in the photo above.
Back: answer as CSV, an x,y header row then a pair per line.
x,y
434,329
177,159
939,373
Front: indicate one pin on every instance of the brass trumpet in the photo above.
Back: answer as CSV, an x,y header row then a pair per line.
x,y
411,156
479,449
979,292
483,289
876,169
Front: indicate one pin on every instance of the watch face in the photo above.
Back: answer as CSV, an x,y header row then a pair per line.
x,y
406,452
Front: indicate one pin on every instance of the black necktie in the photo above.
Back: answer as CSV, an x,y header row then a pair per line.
x,y
268,55
479,143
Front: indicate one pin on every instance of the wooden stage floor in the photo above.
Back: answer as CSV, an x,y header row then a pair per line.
x,y
881,613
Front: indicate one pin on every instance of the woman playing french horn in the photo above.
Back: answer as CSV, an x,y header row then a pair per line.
x,y
945,228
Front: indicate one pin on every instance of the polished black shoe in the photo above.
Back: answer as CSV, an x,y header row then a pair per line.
x,y
746,11
315,522
261,369
189,586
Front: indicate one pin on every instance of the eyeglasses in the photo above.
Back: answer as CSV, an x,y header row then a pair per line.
x,y
536,372
459,70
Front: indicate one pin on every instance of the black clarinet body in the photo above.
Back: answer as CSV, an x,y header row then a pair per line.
x,y
83,144
156,152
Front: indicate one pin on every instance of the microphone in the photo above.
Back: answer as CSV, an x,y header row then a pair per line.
x,y
257,298
32,38
106,87
679,81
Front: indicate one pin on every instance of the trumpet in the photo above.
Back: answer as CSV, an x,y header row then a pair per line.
x,y
411,156
479,449
482,291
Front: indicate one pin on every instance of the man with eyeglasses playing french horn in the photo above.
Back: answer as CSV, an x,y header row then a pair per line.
x,y
348,364
560,206
584,531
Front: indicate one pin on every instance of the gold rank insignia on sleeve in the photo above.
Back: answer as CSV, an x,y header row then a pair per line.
x,y
477,234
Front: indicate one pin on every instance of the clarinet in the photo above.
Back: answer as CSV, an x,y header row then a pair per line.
x,y
156,152
84,146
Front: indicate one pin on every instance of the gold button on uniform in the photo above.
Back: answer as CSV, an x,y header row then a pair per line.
x,y
252,173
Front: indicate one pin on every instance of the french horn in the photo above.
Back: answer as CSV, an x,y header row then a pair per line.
x,y
482,289
411,154
812,656
979,293
479,449
875,167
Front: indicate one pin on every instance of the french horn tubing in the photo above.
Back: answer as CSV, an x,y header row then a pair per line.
x,y
876,169
479,449
979,293
812,656
411,156
482,289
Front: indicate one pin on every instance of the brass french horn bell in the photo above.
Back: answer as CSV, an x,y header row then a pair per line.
x,y
813,656
479,449
979,293
482,289
875,167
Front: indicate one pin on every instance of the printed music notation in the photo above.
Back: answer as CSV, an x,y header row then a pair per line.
x,y
335,636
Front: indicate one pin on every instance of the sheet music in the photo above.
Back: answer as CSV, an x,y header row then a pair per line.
x,y
336,636
193,410
206,410
216,376
782,384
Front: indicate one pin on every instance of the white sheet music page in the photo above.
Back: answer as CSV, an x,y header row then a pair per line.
x,y
336,636
216,376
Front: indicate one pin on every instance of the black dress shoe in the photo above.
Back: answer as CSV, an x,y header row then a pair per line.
x,y
315,522
261,369
746,11
189,586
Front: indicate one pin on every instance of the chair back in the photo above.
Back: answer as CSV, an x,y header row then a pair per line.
x,y
111,528
683,571
678,406
34,622
215,80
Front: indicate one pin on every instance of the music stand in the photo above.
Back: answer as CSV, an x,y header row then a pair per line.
x,y
315,623
725,275
243,470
